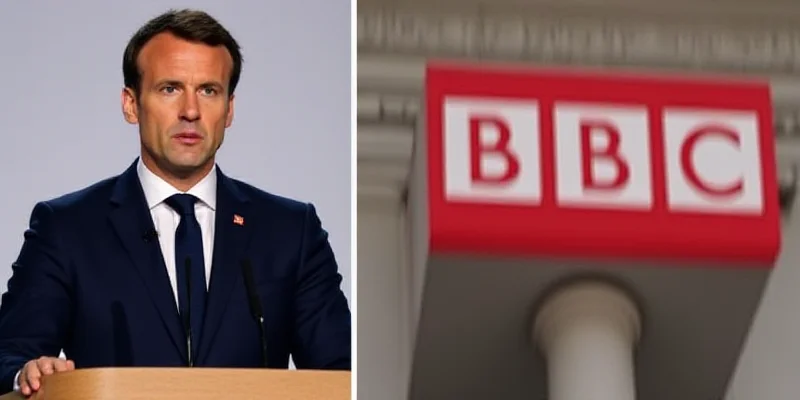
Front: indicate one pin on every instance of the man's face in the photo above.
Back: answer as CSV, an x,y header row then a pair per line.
x,y
183,105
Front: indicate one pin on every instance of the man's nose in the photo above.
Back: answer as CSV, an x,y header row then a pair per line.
x,y
190,110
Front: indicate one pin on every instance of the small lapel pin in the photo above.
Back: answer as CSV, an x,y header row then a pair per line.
x,y
238,220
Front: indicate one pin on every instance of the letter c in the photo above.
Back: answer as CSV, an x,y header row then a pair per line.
x,y
688,167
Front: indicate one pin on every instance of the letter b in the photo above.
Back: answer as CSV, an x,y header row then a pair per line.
x,y
602,156
491,150
478,125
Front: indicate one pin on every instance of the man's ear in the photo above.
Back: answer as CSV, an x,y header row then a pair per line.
x,y
130,107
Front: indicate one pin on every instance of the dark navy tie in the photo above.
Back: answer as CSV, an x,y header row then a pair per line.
x,y
189,245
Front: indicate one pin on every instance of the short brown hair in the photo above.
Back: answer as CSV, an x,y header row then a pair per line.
x,y
187,24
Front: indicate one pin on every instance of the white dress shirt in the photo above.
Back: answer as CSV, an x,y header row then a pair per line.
x,y
166,220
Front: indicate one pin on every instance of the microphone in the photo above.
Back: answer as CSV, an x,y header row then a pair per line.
x,y
150,235
255,307
187,321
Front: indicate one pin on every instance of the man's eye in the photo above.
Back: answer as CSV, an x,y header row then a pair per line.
x,y
209,91
169,89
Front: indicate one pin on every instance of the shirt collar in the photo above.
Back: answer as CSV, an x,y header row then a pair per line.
x,y
156,190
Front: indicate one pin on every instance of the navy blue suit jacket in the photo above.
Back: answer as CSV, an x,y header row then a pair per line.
x,y
87,280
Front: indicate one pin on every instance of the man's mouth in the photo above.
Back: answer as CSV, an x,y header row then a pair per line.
x,y
188,138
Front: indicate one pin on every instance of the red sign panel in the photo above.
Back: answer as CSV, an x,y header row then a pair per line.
x,y
591,164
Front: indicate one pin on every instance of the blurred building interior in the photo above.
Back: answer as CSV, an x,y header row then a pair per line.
x,y
395,39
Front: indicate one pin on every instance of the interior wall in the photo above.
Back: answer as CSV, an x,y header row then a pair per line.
x,y
770,360
383,285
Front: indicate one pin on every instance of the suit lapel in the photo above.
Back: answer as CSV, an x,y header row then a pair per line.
x,y
231,237
131,220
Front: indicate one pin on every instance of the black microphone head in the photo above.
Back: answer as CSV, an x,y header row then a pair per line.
x,y
250,287
149,235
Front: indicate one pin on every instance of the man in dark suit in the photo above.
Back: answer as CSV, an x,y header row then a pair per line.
x,y
146,268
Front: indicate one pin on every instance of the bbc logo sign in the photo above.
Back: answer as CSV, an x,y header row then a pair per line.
x,y
582,163
602,155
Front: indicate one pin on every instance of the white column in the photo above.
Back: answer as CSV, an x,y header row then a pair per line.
x,y
588,332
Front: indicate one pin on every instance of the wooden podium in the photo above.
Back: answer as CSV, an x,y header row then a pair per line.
x,y
192,383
